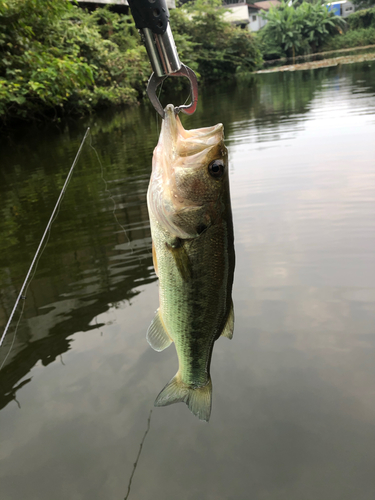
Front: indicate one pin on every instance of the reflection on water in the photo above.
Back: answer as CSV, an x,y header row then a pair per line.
x,y
89,263
293,397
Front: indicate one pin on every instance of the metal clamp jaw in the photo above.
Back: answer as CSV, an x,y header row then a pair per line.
x,y
155,81
152,19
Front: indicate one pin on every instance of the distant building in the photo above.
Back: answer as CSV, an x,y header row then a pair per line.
x,y
247,15
342,8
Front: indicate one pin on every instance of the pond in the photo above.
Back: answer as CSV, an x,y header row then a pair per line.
x,y
293,413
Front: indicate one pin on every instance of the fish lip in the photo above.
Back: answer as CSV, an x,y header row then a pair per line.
x,y
181,142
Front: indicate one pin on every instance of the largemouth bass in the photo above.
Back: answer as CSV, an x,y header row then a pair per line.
x,y
192,236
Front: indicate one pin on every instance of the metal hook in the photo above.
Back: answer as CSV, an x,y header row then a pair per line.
x,y
155,81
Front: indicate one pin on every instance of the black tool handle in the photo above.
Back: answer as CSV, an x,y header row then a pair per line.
x,y
152,14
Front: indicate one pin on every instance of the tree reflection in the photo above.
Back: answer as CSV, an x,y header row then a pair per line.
x,y
93,259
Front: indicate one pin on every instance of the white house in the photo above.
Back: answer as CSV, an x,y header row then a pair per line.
x,y
247,15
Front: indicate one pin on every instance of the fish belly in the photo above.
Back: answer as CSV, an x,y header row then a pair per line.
x,y
194,305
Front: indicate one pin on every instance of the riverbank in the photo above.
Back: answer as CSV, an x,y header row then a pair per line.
x,y
323,63
57,59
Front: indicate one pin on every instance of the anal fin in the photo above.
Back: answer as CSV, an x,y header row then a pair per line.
x,y
229,325
156,336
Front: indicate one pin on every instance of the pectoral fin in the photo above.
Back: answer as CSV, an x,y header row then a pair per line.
x,y
182,261
156,336
229,325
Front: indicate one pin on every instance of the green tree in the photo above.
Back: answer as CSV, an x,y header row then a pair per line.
x,y
284,28
220,48
55,56
300,28
318,24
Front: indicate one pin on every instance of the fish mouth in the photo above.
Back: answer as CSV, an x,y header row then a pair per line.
x,y
187,142
182,154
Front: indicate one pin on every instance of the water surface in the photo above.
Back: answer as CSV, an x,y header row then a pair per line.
x,y
293,392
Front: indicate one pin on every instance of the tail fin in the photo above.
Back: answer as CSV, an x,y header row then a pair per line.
x,y
198,399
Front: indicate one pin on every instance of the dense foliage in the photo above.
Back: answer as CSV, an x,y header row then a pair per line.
x,y
220,48
364,4
361,32
57,56
297,29
362,19
351,39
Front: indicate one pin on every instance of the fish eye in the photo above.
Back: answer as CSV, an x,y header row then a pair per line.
x,y
216,168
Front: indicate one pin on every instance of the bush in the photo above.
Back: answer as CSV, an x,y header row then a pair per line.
x,y
352,38
217,48
361,32
55,56
364,4
362,19
269,47
299,29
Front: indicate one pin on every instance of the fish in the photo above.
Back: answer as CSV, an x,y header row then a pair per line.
x,y
190,215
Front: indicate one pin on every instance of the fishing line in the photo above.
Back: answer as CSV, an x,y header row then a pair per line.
x,y
107,191
156,113
42,245
14,336
188,98
139,454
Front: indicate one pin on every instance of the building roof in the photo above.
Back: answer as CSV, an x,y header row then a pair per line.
x,y
237,14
